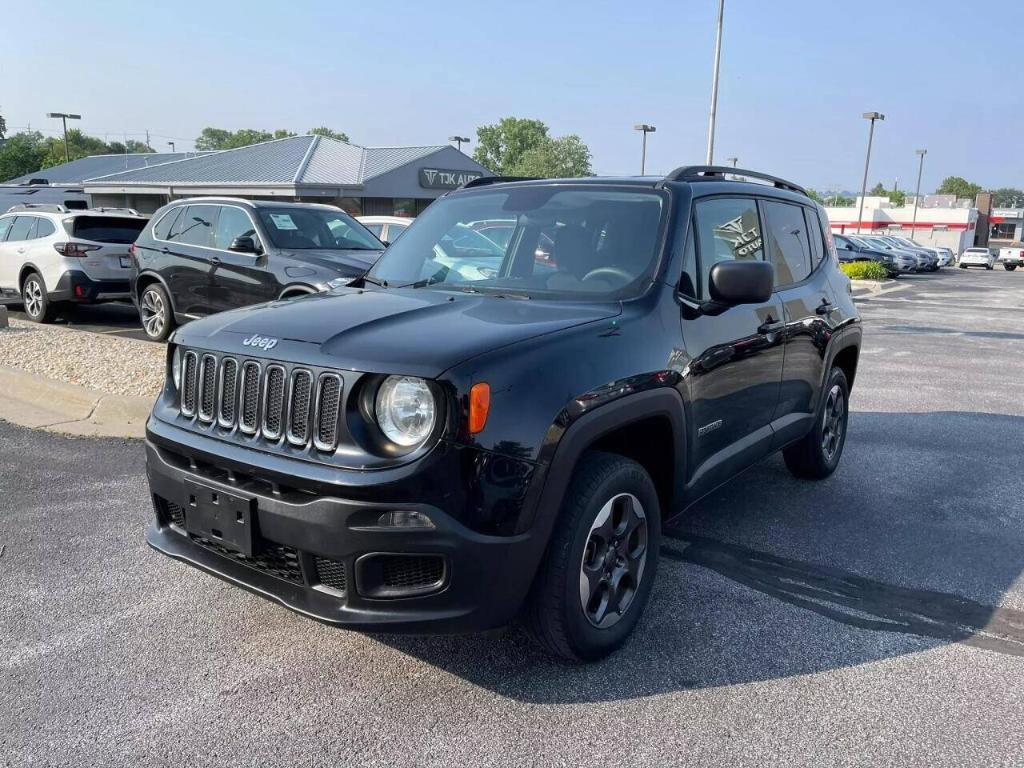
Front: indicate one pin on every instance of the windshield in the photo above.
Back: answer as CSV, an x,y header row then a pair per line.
x,y
539,241
303,229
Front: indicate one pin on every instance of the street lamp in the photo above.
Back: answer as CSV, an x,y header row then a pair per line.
x,y
171,145
732,160
872,116
459,140
64,116
917,194
714,84
645,129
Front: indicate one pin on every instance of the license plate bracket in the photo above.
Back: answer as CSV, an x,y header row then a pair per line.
x,y
126,261
224,517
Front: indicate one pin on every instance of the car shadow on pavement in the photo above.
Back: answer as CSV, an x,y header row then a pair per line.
x,y
911,545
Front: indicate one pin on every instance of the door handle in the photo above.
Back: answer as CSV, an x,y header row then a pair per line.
x,y
165,249
770,326
215,260
826,307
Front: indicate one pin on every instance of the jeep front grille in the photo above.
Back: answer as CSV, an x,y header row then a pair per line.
x,y
273,401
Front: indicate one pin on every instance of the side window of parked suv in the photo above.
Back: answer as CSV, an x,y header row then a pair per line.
x,y
5,226
22,228
814,237
44,228
788,249
728,228
196,228
163,227
232,223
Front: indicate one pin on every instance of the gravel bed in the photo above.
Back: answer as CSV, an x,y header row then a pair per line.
x,y
110,364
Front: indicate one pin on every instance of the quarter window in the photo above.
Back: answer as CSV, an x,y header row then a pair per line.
x,y
728,229
232,222
815,237
44,228
163,227
196,226
5,226
788,248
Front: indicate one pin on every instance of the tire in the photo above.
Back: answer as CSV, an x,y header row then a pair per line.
x,y
155,312
817,454
1009,267
963,266
35,301
605,488
989,267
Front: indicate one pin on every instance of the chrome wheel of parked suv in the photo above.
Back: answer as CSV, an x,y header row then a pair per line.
x,y
33,296
601,562
155,312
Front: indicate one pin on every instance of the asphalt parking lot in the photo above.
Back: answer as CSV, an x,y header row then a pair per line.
x,y
876,618
119,318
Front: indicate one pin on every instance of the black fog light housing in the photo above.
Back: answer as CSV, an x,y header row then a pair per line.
x,y
405,519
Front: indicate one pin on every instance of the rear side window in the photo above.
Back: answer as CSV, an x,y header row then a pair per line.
x,y
163,227
728,229
788,248
107,229
377,229
195,227
22,228
815,237
44,228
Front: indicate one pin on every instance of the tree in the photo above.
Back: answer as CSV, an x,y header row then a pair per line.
x,y
961,187
897,197
129,147
218,138
813,194
563,157
3,128
1006,197
79,145
878,190
324,131
501,147
21,154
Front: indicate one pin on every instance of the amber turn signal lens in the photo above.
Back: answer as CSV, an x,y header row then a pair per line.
x,y
479,405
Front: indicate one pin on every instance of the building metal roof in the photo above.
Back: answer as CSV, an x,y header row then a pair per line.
x,y
294,161
89,167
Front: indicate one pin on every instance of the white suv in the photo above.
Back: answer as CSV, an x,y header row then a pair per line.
x,y
50,256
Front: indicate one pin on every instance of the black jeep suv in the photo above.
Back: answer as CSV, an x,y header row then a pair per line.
x,y
205,255
472,434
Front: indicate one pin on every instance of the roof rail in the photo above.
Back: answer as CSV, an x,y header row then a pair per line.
x,y
484,181
129,211
41,207
719,173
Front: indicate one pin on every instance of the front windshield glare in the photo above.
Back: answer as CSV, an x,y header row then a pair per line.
x,y
303,229
536,240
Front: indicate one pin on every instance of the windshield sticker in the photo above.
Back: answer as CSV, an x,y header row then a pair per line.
x,y
282,221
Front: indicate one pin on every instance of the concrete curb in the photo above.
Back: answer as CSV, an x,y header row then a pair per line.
x,y
36,402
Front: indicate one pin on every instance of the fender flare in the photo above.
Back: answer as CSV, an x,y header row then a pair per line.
x,y
27,267
663,402
145,276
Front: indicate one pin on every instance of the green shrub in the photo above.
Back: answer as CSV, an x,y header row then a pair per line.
x,y
864,270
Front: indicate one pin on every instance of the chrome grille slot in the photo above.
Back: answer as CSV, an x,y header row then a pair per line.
x,y
189,372
273,402
328,407
249,407
228,392
207,387
298,407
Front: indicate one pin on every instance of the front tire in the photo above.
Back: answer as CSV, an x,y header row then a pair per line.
x,y
35,300
601,561
155,312
1009,267
817,454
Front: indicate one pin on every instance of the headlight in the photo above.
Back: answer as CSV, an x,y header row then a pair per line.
x,y
176,368
339,282
405,410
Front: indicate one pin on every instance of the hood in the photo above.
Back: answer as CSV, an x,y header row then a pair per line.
x,y
419,332
334,258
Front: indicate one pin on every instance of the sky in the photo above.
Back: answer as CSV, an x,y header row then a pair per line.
x,y
795,77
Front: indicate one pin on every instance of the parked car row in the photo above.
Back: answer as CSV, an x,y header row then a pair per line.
x,y
898,255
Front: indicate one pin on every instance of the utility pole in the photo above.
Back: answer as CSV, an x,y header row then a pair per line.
x,y
917,194
872,116
64,116
714,85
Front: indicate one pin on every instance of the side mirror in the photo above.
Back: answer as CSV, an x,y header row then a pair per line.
x,y
741,282
244,244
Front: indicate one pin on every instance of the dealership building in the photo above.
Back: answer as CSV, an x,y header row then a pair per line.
x,y
940,220
393,181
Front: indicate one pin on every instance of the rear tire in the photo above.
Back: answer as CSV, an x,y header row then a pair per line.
x,y
817,454
35,301
155,312
601,561
1009,267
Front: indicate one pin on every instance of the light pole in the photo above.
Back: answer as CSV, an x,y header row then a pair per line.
x,y
459,141
732,160
714,84
171,145
872,116
64,116
917,193
644,129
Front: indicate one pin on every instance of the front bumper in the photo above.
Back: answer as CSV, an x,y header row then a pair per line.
x,y
322,555
78,287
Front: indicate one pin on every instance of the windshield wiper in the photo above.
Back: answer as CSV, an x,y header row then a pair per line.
x,y
374,281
